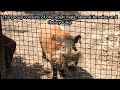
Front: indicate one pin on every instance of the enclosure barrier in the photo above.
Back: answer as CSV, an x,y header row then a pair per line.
x,y
100,45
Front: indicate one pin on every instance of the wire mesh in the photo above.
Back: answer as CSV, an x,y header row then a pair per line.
x,y
100,45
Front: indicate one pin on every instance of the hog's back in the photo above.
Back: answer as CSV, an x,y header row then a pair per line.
x,y
48,45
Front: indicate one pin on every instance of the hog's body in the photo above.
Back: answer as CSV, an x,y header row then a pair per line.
x,y
56,45
48,44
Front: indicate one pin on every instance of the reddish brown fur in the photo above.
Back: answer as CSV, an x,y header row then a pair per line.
x,y
56,45
49,45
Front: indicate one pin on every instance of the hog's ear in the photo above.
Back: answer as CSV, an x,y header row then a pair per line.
x,y
55,37
76,38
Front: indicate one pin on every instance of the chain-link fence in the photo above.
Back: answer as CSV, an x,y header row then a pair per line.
x,y
100,44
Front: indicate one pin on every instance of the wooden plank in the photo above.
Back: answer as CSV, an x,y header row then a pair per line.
x,y
0,48
2,56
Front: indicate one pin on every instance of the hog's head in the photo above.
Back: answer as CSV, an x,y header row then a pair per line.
x,y
68,51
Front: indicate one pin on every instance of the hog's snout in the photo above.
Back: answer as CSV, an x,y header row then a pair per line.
x,y
72,68
72,60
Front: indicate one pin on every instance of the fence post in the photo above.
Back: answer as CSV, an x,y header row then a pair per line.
x,y
2,55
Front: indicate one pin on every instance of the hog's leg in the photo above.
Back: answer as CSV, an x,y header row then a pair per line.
x,y
43,52
54,67
62,71
44,55
61,68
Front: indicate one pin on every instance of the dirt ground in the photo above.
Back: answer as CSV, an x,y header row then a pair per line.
x,y
100,46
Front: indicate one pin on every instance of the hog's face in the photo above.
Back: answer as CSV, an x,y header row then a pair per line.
x,y
69,52
67,49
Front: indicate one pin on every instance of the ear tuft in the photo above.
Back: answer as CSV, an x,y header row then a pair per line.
x,y
55,38
77,38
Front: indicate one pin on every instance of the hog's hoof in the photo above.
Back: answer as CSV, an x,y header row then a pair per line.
x,y
54,77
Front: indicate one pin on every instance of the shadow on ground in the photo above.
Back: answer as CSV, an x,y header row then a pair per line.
x,y
19,70
80,73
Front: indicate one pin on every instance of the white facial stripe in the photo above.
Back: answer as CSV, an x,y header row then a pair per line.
x,y
62,27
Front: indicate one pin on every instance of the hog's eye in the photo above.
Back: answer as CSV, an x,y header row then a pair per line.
x,y
63,47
